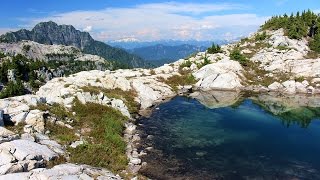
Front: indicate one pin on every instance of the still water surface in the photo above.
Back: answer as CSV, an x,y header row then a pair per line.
x,y
243,140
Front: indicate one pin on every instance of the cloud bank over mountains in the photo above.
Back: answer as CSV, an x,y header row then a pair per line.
x,y
157,21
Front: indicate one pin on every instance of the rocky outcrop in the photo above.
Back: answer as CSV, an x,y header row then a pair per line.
x,y
65,90
64,171
287,56
292,87
34,50
225,74
17,109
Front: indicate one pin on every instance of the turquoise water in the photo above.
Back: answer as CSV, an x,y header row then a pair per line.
x,y
240,141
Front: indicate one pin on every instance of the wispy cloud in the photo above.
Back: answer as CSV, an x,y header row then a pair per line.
x,y
5,30
316,11
281,2
157,21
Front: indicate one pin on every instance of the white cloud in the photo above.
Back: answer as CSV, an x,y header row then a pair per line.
x,y
87,29
5,30
157,21
281,2
316,11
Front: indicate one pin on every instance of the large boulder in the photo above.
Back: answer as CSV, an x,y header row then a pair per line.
x,y
225,74
28,150
275,86
6,135
36,120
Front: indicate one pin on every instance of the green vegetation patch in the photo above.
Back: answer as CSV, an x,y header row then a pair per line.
x,y
105,146
315,43
62,134
101,128
237,56
186,78
261,36
186,63
214,49
127,96
295,26
13,89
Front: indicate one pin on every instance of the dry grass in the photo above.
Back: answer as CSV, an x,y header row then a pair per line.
x,y
312,55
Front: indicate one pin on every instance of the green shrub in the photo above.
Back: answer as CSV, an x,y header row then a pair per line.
x,y
281,48
214,49
152,72
2,55
13,89
186,78
205,62
299,79
315,43
187,63
237,56
260,37
26,48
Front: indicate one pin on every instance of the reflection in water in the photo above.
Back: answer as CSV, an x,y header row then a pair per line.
x,y
233,137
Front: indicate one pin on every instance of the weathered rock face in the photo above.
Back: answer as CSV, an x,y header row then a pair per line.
x,y
23,155
34,50
17,108
225,74
292,87
51,33
65,90
289,58
64,171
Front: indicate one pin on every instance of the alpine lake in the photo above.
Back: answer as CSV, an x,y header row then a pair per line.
x,y
233,136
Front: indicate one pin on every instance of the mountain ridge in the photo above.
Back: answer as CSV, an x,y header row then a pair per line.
x,y
160,54
51,33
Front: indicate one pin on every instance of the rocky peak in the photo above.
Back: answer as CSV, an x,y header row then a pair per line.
x,y
50,33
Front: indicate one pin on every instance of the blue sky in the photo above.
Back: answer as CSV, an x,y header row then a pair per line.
x,y
150,20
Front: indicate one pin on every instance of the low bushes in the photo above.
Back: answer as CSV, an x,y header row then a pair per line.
x,y
214,49
237,56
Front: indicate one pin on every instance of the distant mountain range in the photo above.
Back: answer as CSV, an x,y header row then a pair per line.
x,y
51,33
160,54
132,43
